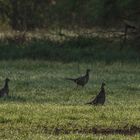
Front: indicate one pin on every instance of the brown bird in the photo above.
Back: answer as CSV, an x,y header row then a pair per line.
x,y
100,98
82,81
5,90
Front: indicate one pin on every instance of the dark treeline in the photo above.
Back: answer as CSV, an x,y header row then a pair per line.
x,y
31,14
54,21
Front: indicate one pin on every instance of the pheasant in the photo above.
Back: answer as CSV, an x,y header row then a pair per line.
x,y
5,90
82,81
100,98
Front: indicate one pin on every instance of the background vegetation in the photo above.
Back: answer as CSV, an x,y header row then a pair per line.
x,y
31,14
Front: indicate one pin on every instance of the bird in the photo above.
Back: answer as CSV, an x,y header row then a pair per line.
x,y
5,90
81,81
100,98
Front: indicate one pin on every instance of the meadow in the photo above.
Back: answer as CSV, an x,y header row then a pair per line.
x,y
43,105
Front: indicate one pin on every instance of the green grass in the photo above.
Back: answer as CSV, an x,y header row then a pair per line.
x,y
80,49
42,105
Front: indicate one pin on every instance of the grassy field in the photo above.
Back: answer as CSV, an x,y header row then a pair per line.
x,y
42,105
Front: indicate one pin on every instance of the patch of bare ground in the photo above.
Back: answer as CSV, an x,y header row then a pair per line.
x,y
104,131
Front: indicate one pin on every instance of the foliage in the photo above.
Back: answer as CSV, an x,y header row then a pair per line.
x,y
31,14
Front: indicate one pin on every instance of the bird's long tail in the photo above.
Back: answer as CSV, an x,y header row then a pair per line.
x,y
88,103
92,102
71,79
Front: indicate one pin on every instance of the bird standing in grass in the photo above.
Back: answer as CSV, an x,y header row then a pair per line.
x,y
100,98
5,90
81,81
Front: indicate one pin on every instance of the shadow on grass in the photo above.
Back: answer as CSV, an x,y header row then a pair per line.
x,y
20,99
79,49
13,99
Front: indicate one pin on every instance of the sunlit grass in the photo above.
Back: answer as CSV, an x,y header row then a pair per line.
x,y
43,104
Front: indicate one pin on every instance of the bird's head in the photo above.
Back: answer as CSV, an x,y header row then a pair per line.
x,y
88,70
7,79
103,84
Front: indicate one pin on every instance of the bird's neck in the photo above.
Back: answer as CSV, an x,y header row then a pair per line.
x,y
6,85
87,73
102,88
